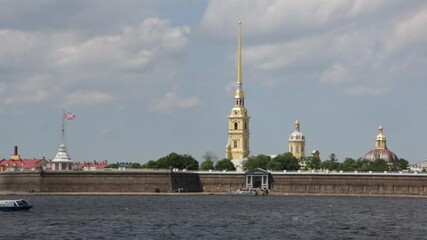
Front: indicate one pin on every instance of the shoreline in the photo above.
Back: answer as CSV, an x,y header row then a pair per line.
x,y
9,193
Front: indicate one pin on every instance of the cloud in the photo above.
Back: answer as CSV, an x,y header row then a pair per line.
x,y
171,102
45,66
132,49
410,31
358,90
355,45
336,74
34,89
87,98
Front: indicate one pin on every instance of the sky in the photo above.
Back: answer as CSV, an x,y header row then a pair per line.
x,y
147,78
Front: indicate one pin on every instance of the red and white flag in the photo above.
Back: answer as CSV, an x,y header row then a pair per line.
x,y
69,116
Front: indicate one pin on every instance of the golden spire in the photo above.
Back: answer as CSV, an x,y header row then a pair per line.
x,y
239,55
240,96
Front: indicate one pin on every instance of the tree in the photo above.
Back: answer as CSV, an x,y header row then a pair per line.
x,y
210,156
209,161
225,164
259,161
112,165
331,164
170,161
363,165
379,165
274,165
135,165
174,160
402,164
207,165
350,164
313,162
285,161
151,164
188,162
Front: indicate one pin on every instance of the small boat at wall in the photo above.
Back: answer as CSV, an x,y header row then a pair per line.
x,y
15,205
250,192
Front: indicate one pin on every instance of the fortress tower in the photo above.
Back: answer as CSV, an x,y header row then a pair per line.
x,y
238,121
297,142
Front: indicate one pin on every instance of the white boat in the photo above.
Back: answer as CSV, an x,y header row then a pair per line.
x,y
15,205
242,192
249,191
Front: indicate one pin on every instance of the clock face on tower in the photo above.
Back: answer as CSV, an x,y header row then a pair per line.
x,y
235,112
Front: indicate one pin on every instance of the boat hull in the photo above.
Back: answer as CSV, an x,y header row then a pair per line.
x,y
11,209
15,205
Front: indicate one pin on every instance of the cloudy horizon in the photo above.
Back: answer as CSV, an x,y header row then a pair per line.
x,y
147,78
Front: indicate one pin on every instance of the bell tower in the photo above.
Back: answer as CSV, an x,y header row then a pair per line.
x,y
297,141
238,121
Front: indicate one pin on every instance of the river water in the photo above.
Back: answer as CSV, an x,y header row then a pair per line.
x,y
216,217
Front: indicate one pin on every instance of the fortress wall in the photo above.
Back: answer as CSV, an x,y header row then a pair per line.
x,y
19,181
221,182
386,184
106,181
186,182
166,181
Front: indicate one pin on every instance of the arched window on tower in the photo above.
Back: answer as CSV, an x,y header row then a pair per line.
x,y
235,144
297,148
246,126
291,149
236,125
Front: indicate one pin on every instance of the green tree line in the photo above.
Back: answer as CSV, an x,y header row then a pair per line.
x,y
350,164
284,161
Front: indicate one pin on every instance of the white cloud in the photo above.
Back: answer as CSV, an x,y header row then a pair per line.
x,y
365,90
356,45
34,89
133,48
409,32
87,98
171,102
44,66
336,74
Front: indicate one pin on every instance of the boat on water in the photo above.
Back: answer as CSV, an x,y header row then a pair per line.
x,y
15,205
248,191
243,191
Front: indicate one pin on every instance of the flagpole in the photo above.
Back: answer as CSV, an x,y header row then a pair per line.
x,y
63,127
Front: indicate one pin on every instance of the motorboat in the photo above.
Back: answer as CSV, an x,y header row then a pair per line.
x,y
15,205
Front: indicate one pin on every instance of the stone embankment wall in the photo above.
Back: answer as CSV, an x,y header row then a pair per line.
x,y
221,181
99,181
20,181
326,183
348,183
167,181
